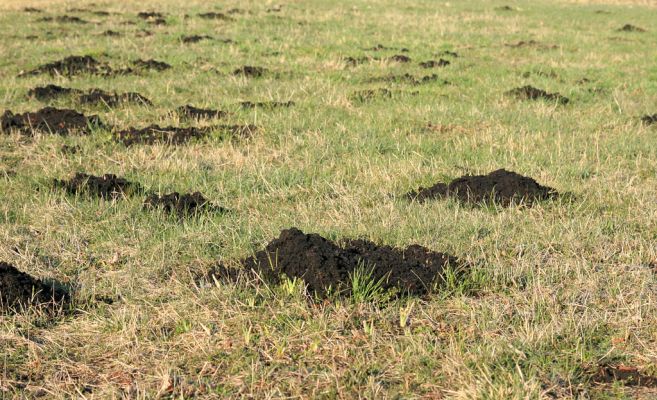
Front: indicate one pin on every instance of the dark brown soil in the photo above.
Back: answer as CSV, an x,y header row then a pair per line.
x,y
380,47
68,149
370,94
111,33
51,92
157,21
70,66
447,53
48,120
629,376
631,28
505,8
352,61
434,64
407,78
97,96
267,104
150,15
250,71
500,187
216,16
19,290
182,204
195,38
532,93
399,58
64,19
192,112
31,10
155,134
649,119
151,65
326,266
106,186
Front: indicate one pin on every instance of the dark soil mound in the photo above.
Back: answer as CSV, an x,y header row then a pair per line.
x,y
50,92
500,187
64,19
250,71
72,65
629,376
266,104
195,38
370,94
31,10
182,204
631,28
97,96
407,78
324,265
434,64
447,53
106,186
20,290
111,33
505,8
48,120
649,119
151,65
192,112
532,93
155,134
352,61
215,15
399,58
150,15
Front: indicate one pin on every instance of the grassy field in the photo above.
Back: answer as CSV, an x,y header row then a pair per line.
x,y
557,291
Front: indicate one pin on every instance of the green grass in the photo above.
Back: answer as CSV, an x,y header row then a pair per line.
x,y
555,290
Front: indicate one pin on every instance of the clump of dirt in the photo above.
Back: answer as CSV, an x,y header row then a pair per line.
x,y
532,93
146,15
64,19
195,38
628,375
380,47
97,96
327,267
649,119
153,134
182,204
631,28
400,58
447,53
500,187
505,8
50,92
111,33
434,64
352,61
544,74
48,120
189,111
151,65
19,290
370,94
407,78
250,71
267,104
108,186
68,149
215,16
31,10
70,66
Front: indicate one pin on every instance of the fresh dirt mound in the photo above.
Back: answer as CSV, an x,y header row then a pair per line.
x,y
353,61
370,94
500,187
97,96
649,119
380,47
324,265
31,10
151,65
505,8
250,71
51,92
64,19
195,38
629,376
106,186
155,134
435,64
267,104
182,204
532,93
111,33
19,290
150,15
447,53
48,120
631,28
216,16
189,111
399,58
72,65
407,78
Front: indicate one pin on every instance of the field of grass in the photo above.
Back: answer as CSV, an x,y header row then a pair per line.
x,y
556,291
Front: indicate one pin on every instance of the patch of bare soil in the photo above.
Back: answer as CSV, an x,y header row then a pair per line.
x,y
250,71
194,38
631,28
51,92
215,16
19,291
532,93
97,96
108,186
189,204
649,119
191,112
48,120
435,64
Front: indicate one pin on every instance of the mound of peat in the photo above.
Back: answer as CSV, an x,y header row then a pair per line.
x,y
631,28
434,64
215,16
50,92
532,93
407,78
72,65
267,104
146,15
500,187
250,71
194,38
649,119
151,65
97,96
48,120
325,266
108,186
153,134
191,112
400,58
63,19
182,204
19,290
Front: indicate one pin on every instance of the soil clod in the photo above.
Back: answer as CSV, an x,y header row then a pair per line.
x,y
151,65
400,58
267,104
195,38
250,71
370,94
97,96
434,64
19,290
215,16
111,33
48,120
447,53
189,111
51,92
500,187
407,78
108,186
649,119
155,134
70,66
631,28
532,93
147,15
327,267
182,204
628,375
